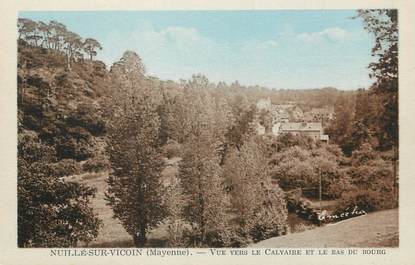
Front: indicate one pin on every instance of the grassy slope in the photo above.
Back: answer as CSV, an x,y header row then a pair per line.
x,y
379,229
112,234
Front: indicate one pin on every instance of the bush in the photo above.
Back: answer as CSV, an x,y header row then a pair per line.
x,y
343,184
96,164
370,186
367,200
78,149
297,167
237,237
66,167
88,117
266,224
194,239
292,198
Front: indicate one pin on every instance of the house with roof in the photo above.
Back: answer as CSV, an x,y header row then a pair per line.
x,y
310,129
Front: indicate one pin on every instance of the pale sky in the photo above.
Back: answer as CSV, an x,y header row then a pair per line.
x,y
276,49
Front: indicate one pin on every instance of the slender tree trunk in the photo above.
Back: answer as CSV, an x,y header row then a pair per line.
x,y
35,37
140,238
68,61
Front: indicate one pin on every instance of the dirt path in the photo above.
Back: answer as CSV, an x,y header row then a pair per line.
x,y
379,229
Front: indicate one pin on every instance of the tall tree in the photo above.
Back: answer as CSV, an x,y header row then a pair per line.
x,y
90,46
340,129
200,172
135,190
73,44
128,75
44,29
383,24
58,31
258,204
206,202
130,66
29,30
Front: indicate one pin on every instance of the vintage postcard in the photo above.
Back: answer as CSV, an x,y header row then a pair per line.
x,y
235,134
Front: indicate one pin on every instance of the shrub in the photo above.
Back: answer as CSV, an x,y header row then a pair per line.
x,y
61,79
88,117
96,164
78,149
370,187
66,167
297,167
238,237
367,200
266,224
343,184
292,198
363,155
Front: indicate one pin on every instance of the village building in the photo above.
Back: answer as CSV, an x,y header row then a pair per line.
x,y
279,122
310,129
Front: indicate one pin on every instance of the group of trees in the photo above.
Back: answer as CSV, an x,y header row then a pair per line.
x,y
145,117
56,37
375,116
298,162
373,126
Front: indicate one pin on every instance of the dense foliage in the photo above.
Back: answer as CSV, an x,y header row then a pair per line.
x,y
52,212
259,206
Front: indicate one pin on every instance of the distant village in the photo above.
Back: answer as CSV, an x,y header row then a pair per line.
x,y
277,119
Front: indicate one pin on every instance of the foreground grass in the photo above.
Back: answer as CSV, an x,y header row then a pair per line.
x,y
112,234
379,229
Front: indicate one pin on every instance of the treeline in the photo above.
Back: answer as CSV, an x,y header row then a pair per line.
x,y
56,37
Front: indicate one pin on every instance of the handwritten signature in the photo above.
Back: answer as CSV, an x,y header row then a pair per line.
x,y
324,216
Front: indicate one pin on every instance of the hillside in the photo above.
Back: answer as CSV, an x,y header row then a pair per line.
x,y
62,107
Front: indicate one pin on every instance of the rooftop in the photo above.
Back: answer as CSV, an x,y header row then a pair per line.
x,y
301,126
